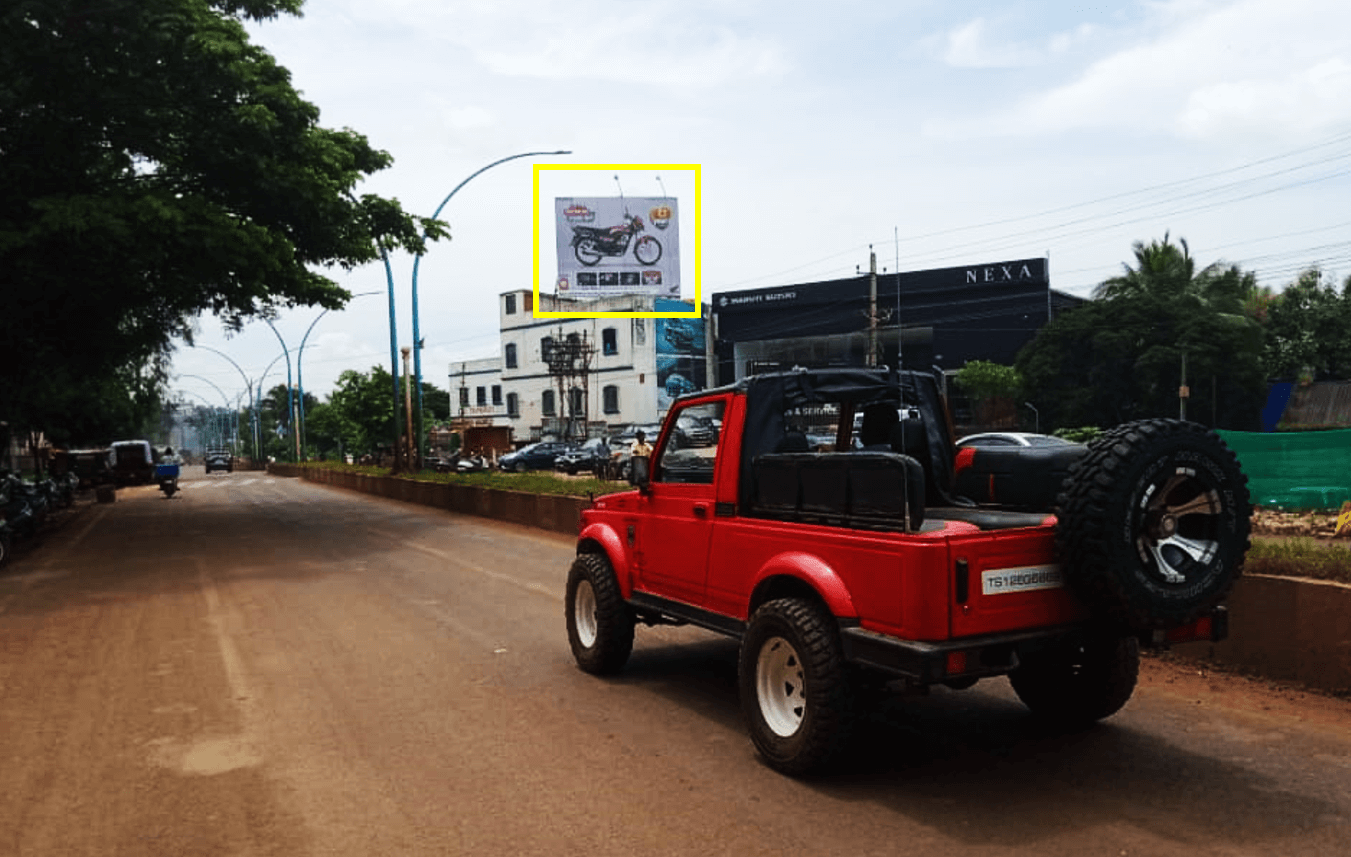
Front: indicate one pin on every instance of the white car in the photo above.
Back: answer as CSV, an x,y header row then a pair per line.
x,y
1012,439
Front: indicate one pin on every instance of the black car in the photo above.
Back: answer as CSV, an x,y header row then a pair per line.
x,y
589,457
220,459
536,456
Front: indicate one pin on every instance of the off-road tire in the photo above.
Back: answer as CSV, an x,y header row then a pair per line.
x,y
1154,523
1077,684
600,624
795,687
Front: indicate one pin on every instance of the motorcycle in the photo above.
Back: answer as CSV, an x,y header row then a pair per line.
x,y
167,477
25,506
590,243
6,535
472,464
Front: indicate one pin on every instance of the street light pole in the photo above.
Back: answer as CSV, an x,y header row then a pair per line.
x,y
290,403
417,335
247,383
300,374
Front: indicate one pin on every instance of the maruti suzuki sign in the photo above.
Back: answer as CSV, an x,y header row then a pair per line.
x,y
617,246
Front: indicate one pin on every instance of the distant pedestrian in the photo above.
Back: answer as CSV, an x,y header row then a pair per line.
x,y
641,448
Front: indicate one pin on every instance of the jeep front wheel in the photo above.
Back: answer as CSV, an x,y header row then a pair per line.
x,y
600,624
794,685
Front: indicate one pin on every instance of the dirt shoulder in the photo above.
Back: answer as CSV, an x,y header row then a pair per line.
x,y
1205,683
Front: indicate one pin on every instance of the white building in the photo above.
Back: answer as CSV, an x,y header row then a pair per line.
x,y
634,367
476,397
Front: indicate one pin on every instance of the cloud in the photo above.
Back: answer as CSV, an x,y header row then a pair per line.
x,y
979,44
1200,70
662,43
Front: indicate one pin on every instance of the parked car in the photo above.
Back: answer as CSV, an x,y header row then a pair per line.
x,y
695,431
590,457
133,462
220,459
535,456
1012,438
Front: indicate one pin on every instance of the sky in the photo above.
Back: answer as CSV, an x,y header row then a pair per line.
x,y
938,133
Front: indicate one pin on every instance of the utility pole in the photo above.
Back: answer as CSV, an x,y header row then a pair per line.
x,y
408,408
871,359
1183,391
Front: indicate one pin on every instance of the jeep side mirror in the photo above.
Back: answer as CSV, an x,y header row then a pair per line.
x,y
639,471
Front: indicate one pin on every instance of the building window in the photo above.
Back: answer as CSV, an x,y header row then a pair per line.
x,y
497,394
640,331
511,304
609,339
513,405
546,403
576,403
482,396
529,301
464,397
546,348
510,353
610,398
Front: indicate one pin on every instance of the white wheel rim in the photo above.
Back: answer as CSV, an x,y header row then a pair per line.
x,y
780,688
584,614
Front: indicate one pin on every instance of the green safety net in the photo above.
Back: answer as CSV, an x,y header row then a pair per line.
x,y
1295,470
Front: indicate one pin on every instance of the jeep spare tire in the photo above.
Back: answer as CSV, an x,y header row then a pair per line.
x,y
1154,523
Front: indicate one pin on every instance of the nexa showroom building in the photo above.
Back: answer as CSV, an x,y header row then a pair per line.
x,y
943,317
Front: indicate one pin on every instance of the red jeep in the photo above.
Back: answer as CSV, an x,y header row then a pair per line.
x,y
844,556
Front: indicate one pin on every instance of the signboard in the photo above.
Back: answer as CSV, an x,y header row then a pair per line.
x,y
680,358
617,246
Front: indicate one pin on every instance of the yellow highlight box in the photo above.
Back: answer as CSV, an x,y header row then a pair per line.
x,y
611,169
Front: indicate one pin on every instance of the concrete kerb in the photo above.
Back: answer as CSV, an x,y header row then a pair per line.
x,y
549,512
1280,627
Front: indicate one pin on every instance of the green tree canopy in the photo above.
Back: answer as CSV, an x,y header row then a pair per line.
x,y
1119,357
156,165
1308,328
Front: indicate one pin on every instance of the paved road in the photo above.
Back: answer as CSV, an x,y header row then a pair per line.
x,y
262,666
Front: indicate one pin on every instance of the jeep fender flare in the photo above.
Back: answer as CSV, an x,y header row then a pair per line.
x,y
602,538
813,572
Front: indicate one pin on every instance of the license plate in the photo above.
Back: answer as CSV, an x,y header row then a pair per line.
x,y
1002,581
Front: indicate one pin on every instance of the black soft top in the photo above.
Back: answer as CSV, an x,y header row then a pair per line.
x,y
769,396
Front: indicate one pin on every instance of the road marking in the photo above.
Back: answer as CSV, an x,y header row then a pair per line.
x,y
537,588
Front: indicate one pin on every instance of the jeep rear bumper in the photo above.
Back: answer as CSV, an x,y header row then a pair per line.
x,y
994,654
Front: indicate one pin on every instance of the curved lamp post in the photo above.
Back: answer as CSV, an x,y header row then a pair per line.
x,y
417,335
247,383
300,375
198,432
224,397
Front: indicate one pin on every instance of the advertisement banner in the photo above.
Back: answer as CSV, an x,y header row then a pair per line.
x,y
680,358
617,246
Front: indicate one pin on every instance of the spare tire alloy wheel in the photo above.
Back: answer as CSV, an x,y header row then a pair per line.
x,y
795,690
1154,523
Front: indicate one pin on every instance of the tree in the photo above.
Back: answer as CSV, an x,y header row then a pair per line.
x,y
361,410
1308,329
992,388
156,165
1120,356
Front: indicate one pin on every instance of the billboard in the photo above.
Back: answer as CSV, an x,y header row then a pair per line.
x,y
617,246
681,358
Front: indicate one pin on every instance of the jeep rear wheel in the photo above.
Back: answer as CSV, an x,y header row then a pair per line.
x,y
600,624
1079,683
795,689
1154,523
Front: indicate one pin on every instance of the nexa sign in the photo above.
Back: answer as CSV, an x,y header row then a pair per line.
x,y
1010,272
